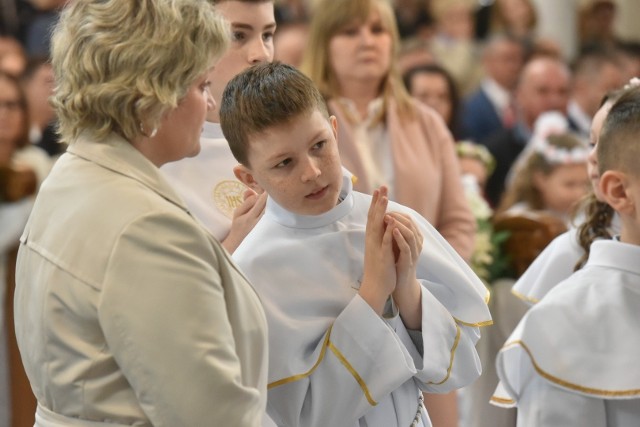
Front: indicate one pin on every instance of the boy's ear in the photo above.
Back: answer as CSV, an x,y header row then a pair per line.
x,y
334,126
245,176
613,186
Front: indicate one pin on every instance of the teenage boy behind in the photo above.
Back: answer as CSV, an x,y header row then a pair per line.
x,y
206,182
351,293
573,359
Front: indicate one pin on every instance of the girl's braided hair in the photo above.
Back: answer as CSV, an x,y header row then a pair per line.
x,y
598,214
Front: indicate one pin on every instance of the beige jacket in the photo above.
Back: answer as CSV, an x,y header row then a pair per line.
x,y
127,311
427,172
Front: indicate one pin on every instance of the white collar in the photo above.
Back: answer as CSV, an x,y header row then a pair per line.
x,y
373,109
580,118
292,220
499,96
615,254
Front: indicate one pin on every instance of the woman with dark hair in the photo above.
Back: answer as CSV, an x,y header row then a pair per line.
x,y
434,86
15,149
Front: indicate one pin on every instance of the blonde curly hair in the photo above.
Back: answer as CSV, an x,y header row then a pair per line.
x,y
120,65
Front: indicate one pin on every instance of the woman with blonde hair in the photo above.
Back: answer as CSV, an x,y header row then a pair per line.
x,y
127,311
385,137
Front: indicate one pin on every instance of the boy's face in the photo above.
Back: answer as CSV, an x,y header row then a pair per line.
x,y
297,164
252,27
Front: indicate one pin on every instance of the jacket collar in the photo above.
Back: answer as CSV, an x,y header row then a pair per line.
x,y
118,155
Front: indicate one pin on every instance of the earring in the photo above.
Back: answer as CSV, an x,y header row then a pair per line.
x,y
153,133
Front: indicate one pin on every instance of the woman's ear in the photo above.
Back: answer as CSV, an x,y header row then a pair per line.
x,y
245,176
613,186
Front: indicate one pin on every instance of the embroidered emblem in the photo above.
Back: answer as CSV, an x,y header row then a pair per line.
x,y
227,196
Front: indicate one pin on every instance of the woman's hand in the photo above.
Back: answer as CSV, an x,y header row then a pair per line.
x,y
379,278
245,217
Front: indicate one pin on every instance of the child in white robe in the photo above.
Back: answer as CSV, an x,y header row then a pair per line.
x,y
206,182
572,360
569,251
366,308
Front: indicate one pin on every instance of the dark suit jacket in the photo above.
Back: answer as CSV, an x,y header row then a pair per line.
x,y
479,117
575,128
505,146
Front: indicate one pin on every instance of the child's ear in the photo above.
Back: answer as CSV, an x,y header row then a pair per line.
x,y
334,126
245,176
613,186
539,180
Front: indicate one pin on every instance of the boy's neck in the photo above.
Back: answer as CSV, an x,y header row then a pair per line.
x,y
630,232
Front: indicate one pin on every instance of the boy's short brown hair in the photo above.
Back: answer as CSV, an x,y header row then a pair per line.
x,y
264,96
619,143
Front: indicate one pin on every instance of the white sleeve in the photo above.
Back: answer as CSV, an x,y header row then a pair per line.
x,y
360,360
542,404
452,360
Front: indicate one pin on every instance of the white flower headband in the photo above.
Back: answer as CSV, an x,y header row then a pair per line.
x,y
559,155
634,82
555,123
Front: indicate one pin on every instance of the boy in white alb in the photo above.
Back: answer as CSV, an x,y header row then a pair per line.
x,y
206,182
366,308
572,360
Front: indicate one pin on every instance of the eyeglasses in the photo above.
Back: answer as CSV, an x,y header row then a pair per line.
x,y
10,105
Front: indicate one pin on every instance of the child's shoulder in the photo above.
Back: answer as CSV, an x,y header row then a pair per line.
x,y
578,334
608,279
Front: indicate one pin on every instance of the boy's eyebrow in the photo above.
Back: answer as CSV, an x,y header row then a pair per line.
x,y
284,154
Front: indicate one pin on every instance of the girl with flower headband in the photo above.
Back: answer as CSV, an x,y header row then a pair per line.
x,y
551,177
569,251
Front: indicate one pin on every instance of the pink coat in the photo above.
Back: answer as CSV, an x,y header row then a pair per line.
x,y
427,172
